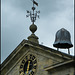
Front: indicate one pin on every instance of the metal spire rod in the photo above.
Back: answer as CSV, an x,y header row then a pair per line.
x,y
33,8
33,15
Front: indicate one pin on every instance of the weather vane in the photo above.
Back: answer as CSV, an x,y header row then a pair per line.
x,y
33,15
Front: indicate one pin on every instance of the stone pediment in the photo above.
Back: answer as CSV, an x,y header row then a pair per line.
x,y
40,51
60,64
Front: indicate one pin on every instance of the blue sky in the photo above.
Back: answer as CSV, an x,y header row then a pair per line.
x,y
55,14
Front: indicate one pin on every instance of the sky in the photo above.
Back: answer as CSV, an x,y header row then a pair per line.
x,y
54,15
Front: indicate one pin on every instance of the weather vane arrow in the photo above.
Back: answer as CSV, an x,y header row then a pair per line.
x,y
34,2
33,15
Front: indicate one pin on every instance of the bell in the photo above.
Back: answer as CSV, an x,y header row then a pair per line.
x,y
63,39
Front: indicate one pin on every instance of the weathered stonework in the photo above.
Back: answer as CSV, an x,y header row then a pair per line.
x,y
45,57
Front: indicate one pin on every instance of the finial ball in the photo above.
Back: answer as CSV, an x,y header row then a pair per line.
x,y
33,28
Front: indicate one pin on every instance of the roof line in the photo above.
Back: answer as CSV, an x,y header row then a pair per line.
x,y
59,64
35,44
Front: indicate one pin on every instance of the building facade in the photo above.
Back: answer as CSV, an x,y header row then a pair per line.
x,y
43,61
32,58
